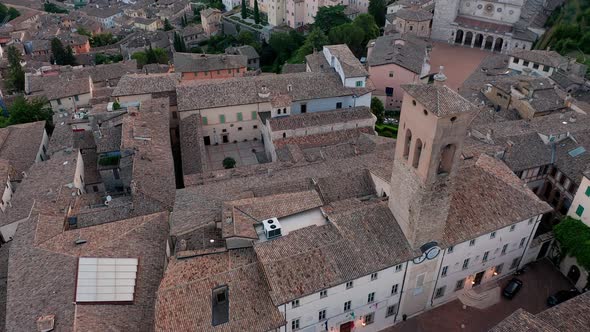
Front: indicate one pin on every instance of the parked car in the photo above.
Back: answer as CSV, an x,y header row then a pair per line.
x,y
512,288
562,296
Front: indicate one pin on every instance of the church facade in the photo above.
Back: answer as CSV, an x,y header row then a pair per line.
x,y
488,25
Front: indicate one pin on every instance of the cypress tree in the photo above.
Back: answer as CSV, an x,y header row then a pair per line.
x,y
256,12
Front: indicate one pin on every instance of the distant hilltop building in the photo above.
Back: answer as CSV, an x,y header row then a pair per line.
x,y
495,26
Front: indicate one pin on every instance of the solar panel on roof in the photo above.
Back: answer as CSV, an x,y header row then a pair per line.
x,y
106,279
577,151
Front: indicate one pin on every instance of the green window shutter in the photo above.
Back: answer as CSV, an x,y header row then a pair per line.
x,y
240,116
254,115
204,120
221,118
588,191
580,210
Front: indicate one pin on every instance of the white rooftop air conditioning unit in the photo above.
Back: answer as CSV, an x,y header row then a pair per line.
x,y
272,228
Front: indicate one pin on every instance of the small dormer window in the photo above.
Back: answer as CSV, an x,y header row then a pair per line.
x,y
289,87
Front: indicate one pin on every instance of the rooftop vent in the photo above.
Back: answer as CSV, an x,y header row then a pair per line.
x,y
272,228
46,323
264,92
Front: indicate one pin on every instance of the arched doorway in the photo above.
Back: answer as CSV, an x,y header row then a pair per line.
x,y
573,274
489,43
498,45
478,40
468,38
459,37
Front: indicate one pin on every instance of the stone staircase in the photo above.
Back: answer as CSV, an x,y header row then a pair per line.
x,y
482,296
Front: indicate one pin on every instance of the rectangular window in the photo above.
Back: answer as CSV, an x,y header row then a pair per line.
x,y
76,98
239,128
460,284
303,108
294,303
349,285
374,276
347,306
221,118
394,289
522,241
370,318
525,63
440,292
546,68
504,249
516,60
498,269
323,293
204,120
371,297
492,235
444,271
389,92
295,324
512,228
239,116
391,310
472,243
535,66
587,191
450,249
58,101
229,71
390,74
174,115
322,315
398,267
359,83
514,264
338,105
116,173
485,256
466,264
579,210
254,115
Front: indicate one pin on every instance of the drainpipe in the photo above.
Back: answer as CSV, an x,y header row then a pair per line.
x,y
537,223
437,274
401,293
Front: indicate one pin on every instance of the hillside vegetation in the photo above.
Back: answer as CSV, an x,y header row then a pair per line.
x,y
568,30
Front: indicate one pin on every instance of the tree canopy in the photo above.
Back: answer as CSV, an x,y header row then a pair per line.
x,y
150,55
574,240
349,34
62,56
315,40
329,17
7,13
378,109
256,12
16,74
244,10
102,39
167,25
378,9
284,44
53,8
24,111
179,44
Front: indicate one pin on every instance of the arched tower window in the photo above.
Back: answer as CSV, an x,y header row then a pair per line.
x,y
447,155
417,153
407,143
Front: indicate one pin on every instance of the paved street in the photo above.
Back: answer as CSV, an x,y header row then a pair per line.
x,y
459,62
540,281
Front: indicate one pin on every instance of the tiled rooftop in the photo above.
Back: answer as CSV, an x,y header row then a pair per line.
x,y
307,120
439,99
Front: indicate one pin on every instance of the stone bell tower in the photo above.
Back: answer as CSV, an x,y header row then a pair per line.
x,y
432,128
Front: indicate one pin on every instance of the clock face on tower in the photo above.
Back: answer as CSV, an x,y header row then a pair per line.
x,y
432,252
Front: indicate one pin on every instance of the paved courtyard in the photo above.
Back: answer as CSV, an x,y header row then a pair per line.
x,y
241,152
540,281
459,62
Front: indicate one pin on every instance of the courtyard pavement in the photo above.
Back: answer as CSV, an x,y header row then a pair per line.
x,y
540,281
459,62
241,152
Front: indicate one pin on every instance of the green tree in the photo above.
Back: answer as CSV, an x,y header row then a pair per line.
x,y
229,162
329,17
315,40
256,12
283,45
378,109
167,25
24,111
150,55
57,51
349,34
53,8
246,37
378,8
69,57
16,74
84,32
244,10
102,39
5,12
179,44
102,58
184,21
367,23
